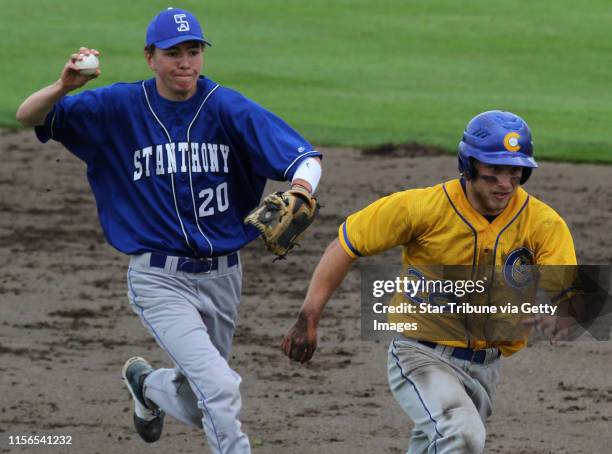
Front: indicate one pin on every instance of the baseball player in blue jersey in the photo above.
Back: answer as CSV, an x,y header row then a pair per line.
x,y
175,163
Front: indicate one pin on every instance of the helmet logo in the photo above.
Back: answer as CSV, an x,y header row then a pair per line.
x,y
511,141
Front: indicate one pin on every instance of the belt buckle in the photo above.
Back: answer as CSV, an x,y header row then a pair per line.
x,y
191,265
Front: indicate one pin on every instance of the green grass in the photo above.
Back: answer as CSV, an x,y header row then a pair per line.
x,y
358,72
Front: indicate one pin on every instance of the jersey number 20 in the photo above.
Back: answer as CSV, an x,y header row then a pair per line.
x,y
207,208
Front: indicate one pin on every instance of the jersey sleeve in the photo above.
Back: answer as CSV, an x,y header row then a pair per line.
x,y
556,259
276,148
78,121
391,221
554,243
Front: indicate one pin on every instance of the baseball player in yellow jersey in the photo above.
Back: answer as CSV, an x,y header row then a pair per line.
x,y
484,219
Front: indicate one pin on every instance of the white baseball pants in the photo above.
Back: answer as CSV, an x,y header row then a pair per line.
x,y
448,399
192,317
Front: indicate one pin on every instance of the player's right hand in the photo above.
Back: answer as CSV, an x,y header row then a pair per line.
x,y
300,342
71,78
555,328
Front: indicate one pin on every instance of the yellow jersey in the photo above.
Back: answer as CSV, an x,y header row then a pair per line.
x,y
439,226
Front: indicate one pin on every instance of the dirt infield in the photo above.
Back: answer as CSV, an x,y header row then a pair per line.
x,y
66,327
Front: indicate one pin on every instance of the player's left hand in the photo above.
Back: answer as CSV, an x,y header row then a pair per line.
x,y
300,342
554,327
283,217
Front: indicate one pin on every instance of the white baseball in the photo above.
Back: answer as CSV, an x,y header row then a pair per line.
x,y
88,65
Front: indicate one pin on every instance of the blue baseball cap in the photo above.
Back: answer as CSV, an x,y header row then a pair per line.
x,y
173,26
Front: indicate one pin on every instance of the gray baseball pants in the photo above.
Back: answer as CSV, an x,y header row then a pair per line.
x,y
192,317
447,398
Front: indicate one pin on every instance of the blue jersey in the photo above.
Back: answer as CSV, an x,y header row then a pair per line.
x,y
172,177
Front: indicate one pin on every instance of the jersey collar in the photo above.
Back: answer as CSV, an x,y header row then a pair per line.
x,y
465,208
181,107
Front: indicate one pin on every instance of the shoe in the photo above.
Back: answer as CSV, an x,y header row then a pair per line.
x,y
148,418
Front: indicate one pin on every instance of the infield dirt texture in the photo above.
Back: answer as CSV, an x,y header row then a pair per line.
x,y
66,326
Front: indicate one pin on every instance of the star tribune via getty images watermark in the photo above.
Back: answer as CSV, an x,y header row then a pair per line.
x,y
457,303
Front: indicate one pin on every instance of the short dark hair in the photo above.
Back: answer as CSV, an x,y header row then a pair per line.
x,y
151,47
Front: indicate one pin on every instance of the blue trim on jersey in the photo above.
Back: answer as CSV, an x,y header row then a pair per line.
x,y
466,223
397,362
348,242
500,234
561,294
141,309
508,225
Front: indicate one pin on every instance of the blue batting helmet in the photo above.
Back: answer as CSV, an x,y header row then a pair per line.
x,y
497,138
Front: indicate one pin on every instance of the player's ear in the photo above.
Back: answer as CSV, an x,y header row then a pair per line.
x,y
149,51
473,173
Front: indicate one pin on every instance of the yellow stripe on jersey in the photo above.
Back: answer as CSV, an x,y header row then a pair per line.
x,y
438,226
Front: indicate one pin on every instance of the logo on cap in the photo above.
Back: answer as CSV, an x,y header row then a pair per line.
x,y
511,141
183,24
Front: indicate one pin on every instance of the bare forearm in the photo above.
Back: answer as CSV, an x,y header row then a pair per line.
x,y
300,342
327,277
35,108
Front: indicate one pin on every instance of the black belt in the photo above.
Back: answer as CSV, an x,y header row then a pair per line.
x,y
193,265
469,354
